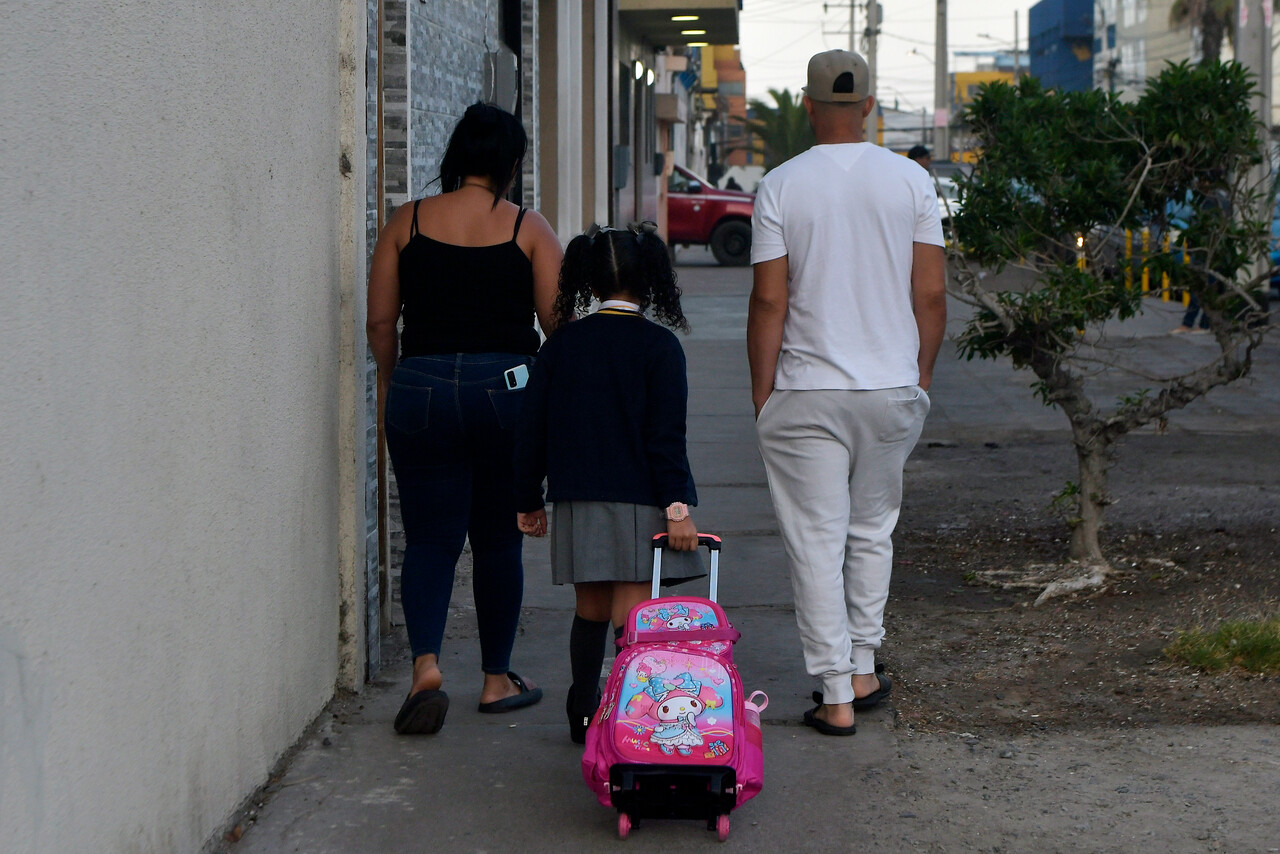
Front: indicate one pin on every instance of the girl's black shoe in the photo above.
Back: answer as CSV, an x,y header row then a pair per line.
x,y
580,713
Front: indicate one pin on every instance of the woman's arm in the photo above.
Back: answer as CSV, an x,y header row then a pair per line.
x,y
545,254
384,292
529,458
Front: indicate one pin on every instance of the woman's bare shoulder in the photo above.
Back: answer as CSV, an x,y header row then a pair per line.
x,y
403,215
397,226
539,229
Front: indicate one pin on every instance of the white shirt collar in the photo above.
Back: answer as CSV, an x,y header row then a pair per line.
x,y
620,303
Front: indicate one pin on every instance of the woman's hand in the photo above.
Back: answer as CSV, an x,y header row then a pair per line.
x,y
534,524
682,536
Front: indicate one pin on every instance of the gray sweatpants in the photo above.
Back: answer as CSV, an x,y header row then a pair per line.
x,y
834,460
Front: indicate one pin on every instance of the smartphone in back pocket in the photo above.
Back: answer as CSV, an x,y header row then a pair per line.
x,y
516,377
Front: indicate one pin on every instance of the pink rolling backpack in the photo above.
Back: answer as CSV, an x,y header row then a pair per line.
x,y
675,735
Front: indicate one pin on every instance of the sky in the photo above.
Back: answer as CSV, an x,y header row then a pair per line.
x,y
777,37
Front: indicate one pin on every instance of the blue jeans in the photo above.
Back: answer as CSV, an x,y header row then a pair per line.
x,y
1193,308
449,427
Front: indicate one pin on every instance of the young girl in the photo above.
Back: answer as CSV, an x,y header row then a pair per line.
x,y
604,422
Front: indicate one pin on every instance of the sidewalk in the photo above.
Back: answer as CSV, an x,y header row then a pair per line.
x,y
512,782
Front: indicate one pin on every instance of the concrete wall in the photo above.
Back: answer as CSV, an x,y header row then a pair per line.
x,y
182,387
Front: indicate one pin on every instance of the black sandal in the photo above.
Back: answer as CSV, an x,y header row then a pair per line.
x,y
812,719
422,713
527,697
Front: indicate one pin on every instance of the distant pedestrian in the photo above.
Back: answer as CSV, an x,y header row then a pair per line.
x,y
1189,319
732,184
467,281
847,314
1210,200
921,155
604,422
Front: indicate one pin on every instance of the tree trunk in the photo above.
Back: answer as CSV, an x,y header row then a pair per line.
x,y
1212,31
1093,453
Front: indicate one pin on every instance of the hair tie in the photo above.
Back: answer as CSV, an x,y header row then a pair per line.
x,y
640,229
591,233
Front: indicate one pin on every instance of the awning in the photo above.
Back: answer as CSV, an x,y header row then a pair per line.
x,y
652,20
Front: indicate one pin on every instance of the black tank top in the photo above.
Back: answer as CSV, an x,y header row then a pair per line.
x,y
465,299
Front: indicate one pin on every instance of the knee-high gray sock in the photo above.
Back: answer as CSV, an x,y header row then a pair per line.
x,y
586,652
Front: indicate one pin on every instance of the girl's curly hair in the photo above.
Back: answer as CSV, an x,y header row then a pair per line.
x,y
605,262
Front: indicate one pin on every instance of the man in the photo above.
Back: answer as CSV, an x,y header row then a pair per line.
x,y
921,155
847,314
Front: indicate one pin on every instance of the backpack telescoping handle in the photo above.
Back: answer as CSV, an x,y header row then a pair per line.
x,y
711,541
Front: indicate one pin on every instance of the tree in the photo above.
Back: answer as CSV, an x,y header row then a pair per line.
x,y
784,127
1213,17
1062,169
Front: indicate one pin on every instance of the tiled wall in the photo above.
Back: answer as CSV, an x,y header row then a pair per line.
x,y
446,44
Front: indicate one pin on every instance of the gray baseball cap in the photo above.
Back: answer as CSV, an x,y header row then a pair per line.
x,y
828,81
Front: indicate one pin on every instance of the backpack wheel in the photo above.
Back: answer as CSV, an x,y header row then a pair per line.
x,y
624,825
722,827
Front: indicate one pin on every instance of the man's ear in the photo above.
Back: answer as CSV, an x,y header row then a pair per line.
x,y
808,106
868,104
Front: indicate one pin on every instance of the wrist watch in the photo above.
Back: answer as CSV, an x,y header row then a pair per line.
x,y
677,511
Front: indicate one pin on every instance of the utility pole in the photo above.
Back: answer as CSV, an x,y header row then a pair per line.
x,y
853,25
1015,47
1253,51
1112,62
873,30
941,88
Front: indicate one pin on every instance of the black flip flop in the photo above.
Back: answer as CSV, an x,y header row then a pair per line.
x,y
870,701
526,697
422,713
811,719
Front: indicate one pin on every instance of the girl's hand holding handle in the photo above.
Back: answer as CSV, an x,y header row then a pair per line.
x,y
682,536
534,524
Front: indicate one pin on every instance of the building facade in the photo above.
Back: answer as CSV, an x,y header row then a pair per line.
x,y
1060,44
1133,40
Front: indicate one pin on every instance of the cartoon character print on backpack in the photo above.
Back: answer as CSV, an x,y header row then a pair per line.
x,y
675,706
648,667
676,617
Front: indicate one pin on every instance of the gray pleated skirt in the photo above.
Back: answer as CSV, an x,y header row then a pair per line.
x,y
611,541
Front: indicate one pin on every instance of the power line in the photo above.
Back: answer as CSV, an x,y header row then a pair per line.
x,y
807,33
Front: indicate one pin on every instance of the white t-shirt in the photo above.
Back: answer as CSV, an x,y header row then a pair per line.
x,y
846,217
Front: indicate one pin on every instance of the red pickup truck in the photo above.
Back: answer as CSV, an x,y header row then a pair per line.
x,y
699,213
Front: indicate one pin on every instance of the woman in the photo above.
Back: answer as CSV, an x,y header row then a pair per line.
x,y
466,271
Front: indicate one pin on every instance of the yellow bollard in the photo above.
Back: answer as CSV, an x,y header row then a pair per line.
x,y
1164,277
1146,247
1186,295
1128,259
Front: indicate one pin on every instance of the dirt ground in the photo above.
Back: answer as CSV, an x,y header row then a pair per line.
x,y
972,658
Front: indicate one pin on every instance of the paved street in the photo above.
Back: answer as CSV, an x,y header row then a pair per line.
x,y
512,782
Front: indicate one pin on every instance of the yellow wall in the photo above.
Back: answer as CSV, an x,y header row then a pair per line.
x,y
967,82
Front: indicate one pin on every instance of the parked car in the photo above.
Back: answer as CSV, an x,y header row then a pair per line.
x,y
698,213
948,198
